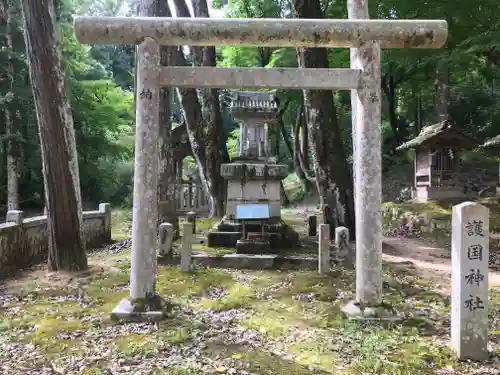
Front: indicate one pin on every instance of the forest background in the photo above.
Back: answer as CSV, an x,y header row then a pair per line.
x,y
459,82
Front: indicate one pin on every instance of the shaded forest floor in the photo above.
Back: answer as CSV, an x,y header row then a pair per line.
x,y
226,322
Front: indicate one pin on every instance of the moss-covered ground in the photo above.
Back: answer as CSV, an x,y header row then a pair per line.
x,y
226,322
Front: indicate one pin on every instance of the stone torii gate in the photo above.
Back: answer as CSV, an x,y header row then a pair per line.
x,y
365,38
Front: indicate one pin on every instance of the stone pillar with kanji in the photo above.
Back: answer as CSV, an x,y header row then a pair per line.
x,y
469,301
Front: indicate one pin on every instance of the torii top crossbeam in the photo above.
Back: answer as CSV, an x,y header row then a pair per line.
x,y
267,32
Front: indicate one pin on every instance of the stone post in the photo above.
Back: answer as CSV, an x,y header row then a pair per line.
x,y
469,300
324,249
187,243
14,216
312,222
343,250
191,218
166,239
243,138
367,152
106,209
266,141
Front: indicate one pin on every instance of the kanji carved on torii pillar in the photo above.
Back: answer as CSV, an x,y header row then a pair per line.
x,y
364,37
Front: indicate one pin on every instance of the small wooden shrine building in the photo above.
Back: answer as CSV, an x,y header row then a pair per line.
x,y
437,161
492,145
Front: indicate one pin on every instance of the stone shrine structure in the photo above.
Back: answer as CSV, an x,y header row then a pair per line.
x,y
437,161
253,177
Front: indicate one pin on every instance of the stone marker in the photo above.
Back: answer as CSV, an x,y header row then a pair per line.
x,y
312,223
166,239
191,218
324,249
106,209
343,249
469,300
187,243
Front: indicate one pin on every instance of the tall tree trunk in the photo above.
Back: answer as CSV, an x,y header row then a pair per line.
x,y
442,91
304,144
282,128
418,114
333,177
167,181
443,78
10,128
57,136
193,116
389,88
298,157
215,142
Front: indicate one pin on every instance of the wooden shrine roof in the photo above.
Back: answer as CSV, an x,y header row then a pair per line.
x,y
442,134
492,143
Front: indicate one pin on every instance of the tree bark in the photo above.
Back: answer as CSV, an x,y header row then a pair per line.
x,y
333,176
193,116
167,179
304,145
282,129
442,91
215,142
57,137
300,169
389,88
10,128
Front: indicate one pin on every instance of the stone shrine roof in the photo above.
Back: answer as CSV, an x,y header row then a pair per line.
x,y
254,104
442,134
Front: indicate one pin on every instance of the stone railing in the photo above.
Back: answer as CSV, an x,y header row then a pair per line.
x,y
24,242
191,197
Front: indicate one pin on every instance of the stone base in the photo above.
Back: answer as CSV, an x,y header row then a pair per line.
x,y
128,312
381,313
252,247
428,193
223,239
228,232
248,261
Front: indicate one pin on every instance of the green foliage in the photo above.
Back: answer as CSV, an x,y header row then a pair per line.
x,y
232,143
471,55
102,114
101,80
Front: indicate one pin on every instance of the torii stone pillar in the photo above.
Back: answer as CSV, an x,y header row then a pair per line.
x,y
367,159
364,36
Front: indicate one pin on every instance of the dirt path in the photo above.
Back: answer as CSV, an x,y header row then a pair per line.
x,y
430,262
